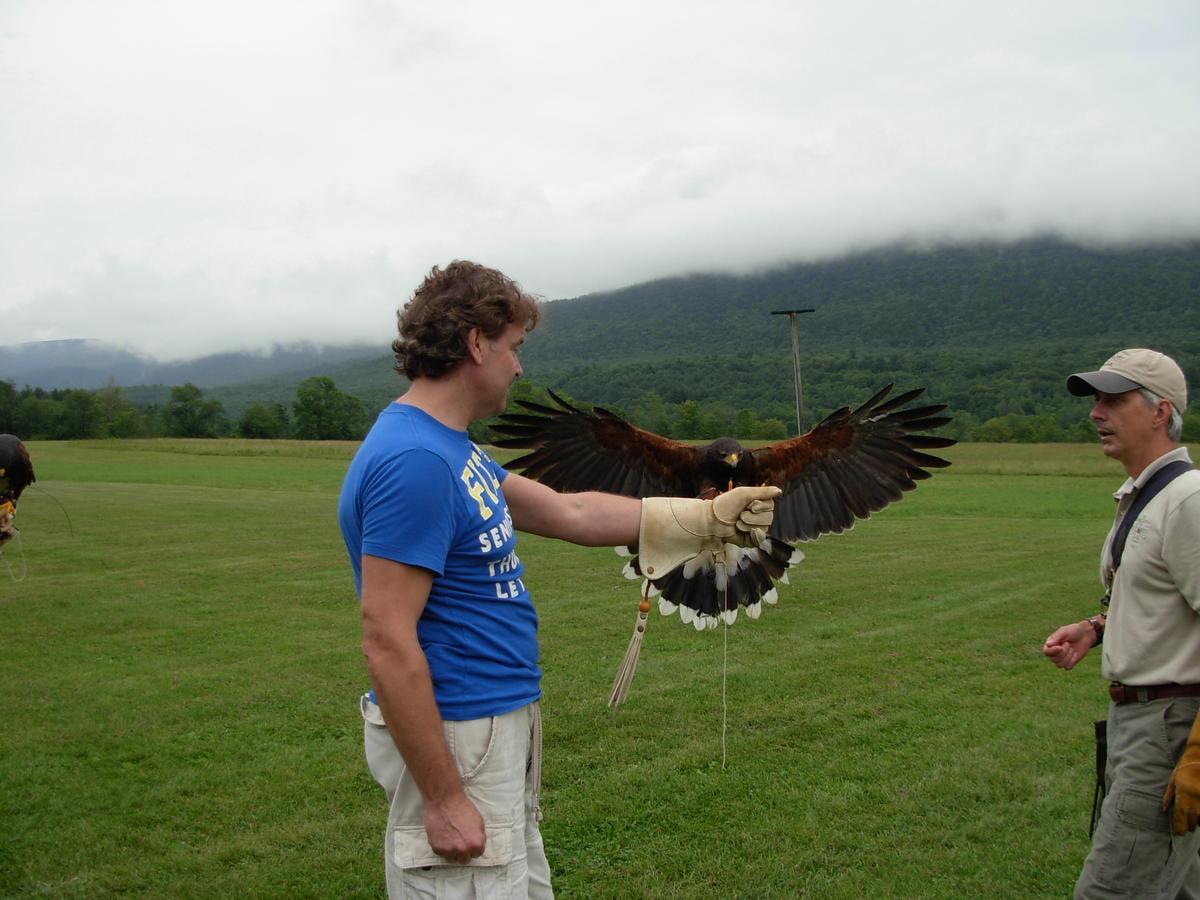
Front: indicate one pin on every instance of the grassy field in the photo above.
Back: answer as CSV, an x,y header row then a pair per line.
x,y
180,668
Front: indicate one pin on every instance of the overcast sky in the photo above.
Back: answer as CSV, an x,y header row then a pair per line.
x,y
181,177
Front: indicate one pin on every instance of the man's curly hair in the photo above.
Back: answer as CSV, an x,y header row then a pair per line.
x,y
448,304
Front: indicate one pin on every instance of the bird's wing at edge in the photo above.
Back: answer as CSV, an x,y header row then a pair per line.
x,y
576,450
851,464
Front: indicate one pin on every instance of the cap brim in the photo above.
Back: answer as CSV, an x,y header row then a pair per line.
x,y
1084,384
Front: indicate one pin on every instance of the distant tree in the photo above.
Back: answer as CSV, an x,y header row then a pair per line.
x,y
37,416
121,420
524,389
80,417
961,428
151,420
188,414
261,421
998,430
772,430
1022,429
716,420
1191,427
746,424
687,425
127,423
651,413
323,413
8,407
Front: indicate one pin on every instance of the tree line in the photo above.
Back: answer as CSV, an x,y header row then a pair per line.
x,y
320,412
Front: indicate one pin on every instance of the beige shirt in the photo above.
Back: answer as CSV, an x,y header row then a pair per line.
x,y
1152,635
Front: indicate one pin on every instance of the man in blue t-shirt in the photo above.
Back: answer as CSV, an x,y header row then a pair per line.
x,y
452,723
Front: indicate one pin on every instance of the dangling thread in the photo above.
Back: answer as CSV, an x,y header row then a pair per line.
x,y
21,552
724,674
39,489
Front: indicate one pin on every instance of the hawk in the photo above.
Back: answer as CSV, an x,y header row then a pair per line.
x,y
851,464
16,474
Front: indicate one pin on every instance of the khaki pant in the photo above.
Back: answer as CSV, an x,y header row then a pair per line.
x,y
499,761
1134,853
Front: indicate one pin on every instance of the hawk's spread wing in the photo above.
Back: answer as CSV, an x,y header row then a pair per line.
x,y
850,465
574,450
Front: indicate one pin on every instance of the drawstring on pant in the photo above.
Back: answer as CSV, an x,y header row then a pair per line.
x,y
535,760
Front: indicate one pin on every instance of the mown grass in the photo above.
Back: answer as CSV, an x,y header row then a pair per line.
x,y
181,676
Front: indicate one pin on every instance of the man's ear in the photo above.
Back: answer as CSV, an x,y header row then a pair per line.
x,y
475,341
1162,413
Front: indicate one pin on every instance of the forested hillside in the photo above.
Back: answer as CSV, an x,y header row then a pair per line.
x,y
941,299
990,330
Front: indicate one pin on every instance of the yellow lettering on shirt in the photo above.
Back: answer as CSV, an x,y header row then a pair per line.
x,y
481,483
477,490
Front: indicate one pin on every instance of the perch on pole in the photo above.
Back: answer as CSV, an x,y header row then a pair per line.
x,y
791,314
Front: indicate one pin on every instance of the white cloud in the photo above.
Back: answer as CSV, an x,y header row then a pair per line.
x,y
186,177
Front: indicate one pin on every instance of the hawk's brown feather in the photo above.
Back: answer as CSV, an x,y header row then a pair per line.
x,y
851,464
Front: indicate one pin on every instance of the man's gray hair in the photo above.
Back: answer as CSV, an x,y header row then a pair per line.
x,y
1175,426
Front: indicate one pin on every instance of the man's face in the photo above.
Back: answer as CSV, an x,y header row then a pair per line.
x,y
502,362
1125,424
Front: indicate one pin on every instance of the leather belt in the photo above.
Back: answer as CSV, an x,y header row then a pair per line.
x,y
1124,693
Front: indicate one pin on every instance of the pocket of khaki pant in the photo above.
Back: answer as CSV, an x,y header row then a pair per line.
x,y
411,848
1137,845
471,743
383,759
371,711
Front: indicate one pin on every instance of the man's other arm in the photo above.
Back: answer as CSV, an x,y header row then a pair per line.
x,y
393,597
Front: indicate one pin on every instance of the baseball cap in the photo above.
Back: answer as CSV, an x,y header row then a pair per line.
x,y
1133,369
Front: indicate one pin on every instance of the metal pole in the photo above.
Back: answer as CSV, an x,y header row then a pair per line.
x,y
791,314
799,389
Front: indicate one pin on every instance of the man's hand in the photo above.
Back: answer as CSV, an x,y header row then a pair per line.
x,y
1183,787
1069,644
746,509
455,828
673,529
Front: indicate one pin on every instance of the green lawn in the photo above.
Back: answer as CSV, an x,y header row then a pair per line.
x,y
181,666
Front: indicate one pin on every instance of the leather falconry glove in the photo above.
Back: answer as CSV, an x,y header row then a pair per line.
x,y
1183,787
674,529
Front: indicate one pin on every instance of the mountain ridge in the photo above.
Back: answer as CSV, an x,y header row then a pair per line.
x,y
990,329
90,364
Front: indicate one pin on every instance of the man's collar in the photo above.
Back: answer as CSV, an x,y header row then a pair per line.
x,y
1131,484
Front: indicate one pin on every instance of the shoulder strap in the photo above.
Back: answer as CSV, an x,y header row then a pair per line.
x,y
1157,482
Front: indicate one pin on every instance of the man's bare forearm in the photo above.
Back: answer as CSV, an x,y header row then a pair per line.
x,y
592,519
403,687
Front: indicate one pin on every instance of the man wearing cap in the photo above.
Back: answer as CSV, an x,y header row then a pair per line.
x,y
1146,843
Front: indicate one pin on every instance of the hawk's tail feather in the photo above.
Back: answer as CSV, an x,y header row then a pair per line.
x,y
706,593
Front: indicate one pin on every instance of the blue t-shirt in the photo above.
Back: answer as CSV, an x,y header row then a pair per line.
x,y
422,494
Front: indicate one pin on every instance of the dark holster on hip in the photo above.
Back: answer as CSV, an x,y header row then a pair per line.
x,y
1101,727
